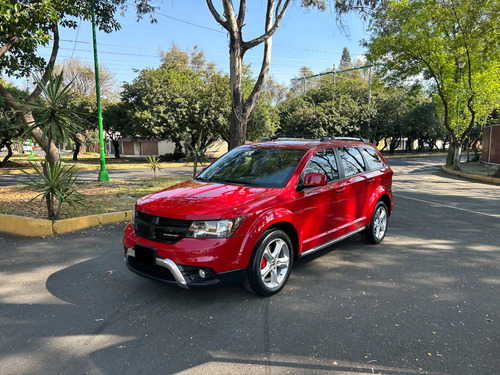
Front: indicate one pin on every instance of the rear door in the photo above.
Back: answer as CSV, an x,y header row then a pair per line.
x,y
356,186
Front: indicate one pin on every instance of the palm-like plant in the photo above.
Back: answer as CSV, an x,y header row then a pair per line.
x,y
58,123
54,183
197,155
52,115
154,164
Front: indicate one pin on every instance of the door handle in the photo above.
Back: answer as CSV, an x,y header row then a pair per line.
x,y
340,190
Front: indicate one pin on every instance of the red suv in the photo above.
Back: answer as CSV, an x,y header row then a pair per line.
x,y
261,206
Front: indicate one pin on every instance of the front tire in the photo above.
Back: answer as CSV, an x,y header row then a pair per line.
x,y
375,233
271,263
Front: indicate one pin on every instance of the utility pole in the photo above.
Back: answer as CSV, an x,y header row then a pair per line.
x,y
369,86
103,174
333,74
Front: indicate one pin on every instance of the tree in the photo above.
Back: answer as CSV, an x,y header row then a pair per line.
x,y
455,45
241,106
118,124
345,59
82,78
10,128
336,109
26,26
177,103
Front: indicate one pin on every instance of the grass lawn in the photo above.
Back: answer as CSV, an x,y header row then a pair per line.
x,y
100,197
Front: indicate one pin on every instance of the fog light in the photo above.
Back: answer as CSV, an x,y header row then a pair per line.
x,y
202,274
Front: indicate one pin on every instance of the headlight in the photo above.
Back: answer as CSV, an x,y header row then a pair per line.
x,y
214,229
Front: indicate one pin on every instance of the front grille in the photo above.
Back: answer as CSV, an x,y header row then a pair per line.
x,y
159,228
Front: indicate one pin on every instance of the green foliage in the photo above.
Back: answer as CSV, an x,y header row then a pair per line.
x,y
453,44
24,26
345,59
54,183
10,127
52,115
338,109
181,99
154,164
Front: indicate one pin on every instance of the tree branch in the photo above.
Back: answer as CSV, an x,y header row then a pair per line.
x,y
279,16
216,15
5,48
251,102
49,68
241,13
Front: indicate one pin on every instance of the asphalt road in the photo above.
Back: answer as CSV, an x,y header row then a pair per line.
x,y
424,301
16,179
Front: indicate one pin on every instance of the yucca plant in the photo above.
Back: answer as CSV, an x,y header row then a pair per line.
x,y
154,164
197,155
54,184
58,121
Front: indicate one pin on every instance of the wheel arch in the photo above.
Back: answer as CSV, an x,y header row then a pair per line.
x,y
291,231
385,198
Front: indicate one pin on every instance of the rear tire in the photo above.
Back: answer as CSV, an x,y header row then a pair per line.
x,y
375,233
271,263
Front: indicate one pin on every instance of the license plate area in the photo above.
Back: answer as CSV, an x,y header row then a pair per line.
x,y
145,255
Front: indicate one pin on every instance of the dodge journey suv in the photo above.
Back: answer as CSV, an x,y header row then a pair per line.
x,y
257,209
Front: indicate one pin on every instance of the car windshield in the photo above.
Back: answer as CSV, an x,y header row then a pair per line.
x,y
254,166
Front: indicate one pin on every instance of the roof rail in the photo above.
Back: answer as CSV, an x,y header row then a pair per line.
x,y
324,138
351,139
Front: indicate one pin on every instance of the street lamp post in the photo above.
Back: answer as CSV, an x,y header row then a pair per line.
x,y
103,174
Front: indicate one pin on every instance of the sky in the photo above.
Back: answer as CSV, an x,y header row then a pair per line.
x,y
305,38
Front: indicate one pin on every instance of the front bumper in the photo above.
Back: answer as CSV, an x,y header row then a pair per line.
x,y
145,262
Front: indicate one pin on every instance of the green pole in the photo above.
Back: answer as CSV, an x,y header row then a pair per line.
x,y
103,174
31,149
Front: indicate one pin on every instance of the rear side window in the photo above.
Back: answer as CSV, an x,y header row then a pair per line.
x,y
324,162
372,158
352,161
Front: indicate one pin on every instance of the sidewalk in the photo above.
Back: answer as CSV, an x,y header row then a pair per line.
x,y
474,171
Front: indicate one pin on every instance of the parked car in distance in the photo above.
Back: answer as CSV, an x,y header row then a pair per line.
x,y
257,209
27,147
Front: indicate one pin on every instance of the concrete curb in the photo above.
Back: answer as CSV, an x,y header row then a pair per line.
x,y
29,227
453,172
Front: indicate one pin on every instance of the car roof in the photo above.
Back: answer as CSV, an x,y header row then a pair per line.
x,y
306,144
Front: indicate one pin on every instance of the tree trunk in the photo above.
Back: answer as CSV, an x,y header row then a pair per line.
x,y
49,200
116,146
241,109
76,150
456,157
238,122
48,146
9,154
454,154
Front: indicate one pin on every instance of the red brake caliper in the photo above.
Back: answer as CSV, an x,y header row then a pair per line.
x,y
263,263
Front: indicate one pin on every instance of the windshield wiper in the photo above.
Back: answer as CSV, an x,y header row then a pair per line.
x,y
201,179
238,182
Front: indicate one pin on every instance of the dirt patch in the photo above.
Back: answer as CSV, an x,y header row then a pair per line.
x,y
100,197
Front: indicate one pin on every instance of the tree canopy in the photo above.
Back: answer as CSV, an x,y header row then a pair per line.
x,y
24,26
452,44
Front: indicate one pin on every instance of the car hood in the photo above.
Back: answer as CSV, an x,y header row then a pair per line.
x,y
193,200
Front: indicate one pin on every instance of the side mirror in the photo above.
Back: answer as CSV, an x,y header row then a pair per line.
x,y
314,179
